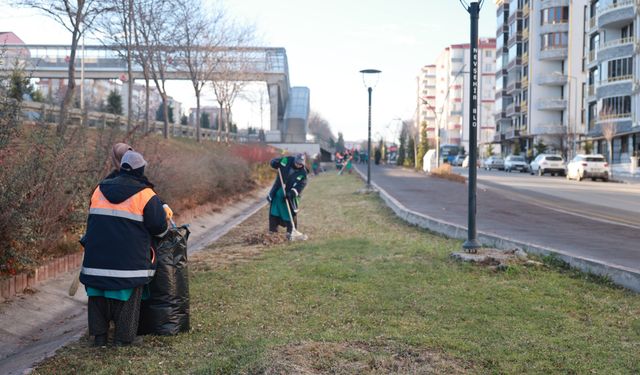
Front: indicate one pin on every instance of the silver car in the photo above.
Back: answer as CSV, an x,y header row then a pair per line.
x,y
494,162
515,163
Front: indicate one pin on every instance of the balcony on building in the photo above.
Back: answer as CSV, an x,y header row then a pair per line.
x,y
516,15
512,133
549,129
553,79
498,137
524,106
514,63
514,38
591,93
512,109
616,48
592,58
593,24
554,53
553,104
616,86
616,13
524,83
525,58
513,86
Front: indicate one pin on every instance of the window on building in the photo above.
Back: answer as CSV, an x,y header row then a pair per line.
x,y
616,105
619,69
627,31
554,40
554,15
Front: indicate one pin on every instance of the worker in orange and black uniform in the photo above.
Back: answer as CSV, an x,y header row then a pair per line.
x,y
119,260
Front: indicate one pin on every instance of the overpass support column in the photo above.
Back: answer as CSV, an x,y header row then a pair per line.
x,y
274,99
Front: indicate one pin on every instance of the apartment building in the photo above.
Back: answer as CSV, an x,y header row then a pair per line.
x,y
540,78
426,96
612,93
444,94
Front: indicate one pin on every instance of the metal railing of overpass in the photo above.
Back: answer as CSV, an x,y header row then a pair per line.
x,y
266,64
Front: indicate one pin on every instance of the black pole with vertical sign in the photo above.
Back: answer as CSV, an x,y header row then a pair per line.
x,y
472,244
369,89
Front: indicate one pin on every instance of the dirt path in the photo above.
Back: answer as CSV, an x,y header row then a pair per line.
x,y
34,325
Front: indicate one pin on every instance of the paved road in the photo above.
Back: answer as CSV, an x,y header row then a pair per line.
x,y
501,213
611,202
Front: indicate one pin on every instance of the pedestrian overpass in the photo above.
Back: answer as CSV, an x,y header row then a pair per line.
x,y
289,106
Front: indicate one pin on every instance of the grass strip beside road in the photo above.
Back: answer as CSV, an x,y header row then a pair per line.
x,y
370,294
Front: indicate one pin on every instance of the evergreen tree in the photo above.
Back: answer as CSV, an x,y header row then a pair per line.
x,y
410,160
114,103
204,120
515,148
423,147
340,144
402,147
184,120
540,147
160,114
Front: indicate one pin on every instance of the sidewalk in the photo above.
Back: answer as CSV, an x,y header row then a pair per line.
x,y
611,245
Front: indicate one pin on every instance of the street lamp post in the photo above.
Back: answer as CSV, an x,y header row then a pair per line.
x,y
370,79
471,244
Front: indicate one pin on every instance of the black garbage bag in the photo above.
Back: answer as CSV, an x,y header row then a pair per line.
x,y
166,312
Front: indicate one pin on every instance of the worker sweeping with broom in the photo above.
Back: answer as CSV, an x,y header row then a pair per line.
x,y
285,194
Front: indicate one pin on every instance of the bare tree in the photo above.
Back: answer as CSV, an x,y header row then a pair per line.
x,y
203,34
609,129
234,69
77,17
319,127
156,36
117,31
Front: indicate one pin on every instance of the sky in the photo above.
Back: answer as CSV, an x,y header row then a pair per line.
x,y
328,42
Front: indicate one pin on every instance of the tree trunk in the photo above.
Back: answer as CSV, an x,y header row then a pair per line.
x,y
228,124
197,115
220,121
147,90
611,157
71,82
165,110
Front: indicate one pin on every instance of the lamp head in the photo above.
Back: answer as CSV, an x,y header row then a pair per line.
x,y
370,77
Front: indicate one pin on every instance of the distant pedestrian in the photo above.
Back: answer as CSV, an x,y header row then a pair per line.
x,y
124,214
294,175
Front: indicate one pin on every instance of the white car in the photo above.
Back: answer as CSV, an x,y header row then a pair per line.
x,y
588,166
548,163
515,163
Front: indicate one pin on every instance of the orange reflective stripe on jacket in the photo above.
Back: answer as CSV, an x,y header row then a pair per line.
x,y
132,208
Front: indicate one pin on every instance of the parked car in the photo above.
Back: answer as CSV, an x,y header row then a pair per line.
x,y
457,161
588,166
548,163
515,163
494,162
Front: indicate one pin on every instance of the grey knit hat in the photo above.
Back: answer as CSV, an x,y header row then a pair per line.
x,y
132,160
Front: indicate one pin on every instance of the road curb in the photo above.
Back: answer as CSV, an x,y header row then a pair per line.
x,y
625,277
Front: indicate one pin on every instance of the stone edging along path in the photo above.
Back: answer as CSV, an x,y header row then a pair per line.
x,y
17,284
622,276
